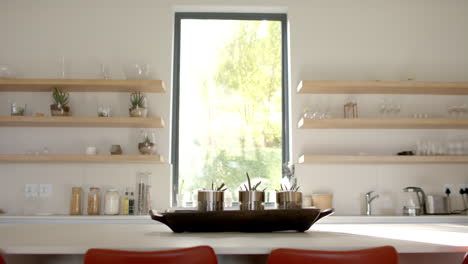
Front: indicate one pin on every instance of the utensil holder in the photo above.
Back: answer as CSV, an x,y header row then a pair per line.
x,y
289,200
251,200
210,201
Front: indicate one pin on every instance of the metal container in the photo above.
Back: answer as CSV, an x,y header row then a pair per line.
x,y
437,204
251,200
210,201
289,200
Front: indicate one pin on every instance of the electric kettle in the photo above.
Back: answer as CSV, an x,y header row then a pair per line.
x,y
414,202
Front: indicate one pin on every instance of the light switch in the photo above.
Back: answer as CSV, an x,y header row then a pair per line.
x,y
45,190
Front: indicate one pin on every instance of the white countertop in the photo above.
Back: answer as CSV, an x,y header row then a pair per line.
x,y
78,238
145,219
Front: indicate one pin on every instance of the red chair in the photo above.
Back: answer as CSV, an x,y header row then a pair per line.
x,y
195,255
465,261
379,255
2,261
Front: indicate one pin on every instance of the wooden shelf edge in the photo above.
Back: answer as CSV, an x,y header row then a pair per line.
x,y
383,123
82,121
372,159
382,87
76,158
82,85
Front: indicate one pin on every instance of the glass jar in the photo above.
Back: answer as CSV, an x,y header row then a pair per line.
x,y
76,201
94,201
143,181
111,205
147,142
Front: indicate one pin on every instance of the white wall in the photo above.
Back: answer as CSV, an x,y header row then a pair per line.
x,y
343,40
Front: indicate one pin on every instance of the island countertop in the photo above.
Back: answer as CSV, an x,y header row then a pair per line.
x,y
78,238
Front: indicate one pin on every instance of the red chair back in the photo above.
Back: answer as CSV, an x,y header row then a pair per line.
x,y
2,261
465,261
380,255
195,255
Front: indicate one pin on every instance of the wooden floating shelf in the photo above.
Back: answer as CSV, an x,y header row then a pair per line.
x,y
81,121
362,159
67,158
384,123
382,87
81,85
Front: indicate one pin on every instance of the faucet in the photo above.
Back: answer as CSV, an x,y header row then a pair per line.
x,y
369,200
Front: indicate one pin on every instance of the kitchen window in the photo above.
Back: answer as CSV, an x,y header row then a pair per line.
x,y
230,102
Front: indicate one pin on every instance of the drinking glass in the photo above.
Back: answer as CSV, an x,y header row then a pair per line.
x,y
17,109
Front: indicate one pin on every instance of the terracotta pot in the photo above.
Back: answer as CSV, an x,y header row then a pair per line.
x,y
56,110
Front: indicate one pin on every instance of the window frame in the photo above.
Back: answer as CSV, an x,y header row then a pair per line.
x,y
179,16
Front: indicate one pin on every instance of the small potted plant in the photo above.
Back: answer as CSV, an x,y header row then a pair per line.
x,y
148,145
250,198
60,106
289,198
138,105
211,200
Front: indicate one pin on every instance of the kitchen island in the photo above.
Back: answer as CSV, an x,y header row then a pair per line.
x,y
66,243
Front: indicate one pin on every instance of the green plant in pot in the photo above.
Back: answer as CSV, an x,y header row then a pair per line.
x,y
138,105
60,106
251,198
289,198
211,200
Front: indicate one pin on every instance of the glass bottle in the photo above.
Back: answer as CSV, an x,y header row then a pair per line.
x,y
125,204
94,201
131,204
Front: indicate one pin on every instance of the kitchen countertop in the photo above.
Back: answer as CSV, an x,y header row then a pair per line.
x,y
78,238
145,219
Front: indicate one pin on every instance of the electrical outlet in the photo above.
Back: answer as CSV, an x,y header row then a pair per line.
x,y
461,186
31,190
452,189
45,190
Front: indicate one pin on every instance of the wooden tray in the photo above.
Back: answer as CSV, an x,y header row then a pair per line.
x,y
241,221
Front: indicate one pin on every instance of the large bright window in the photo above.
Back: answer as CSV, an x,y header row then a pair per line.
x,y
230,101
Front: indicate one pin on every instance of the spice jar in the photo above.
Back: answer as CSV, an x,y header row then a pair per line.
x,y
76,201
94,201
111,205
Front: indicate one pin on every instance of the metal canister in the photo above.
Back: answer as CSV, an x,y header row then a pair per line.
x,y
251,200
210,201
289,200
